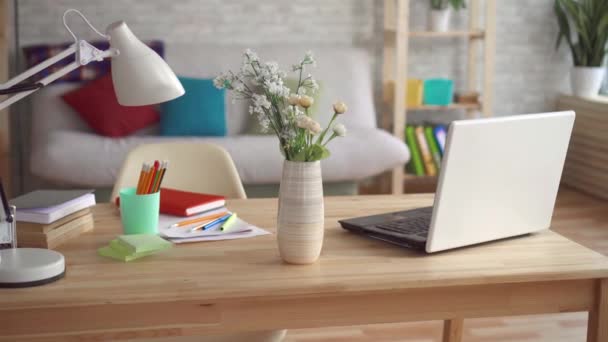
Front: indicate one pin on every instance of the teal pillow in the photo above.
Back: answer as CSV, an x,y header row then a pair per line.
x,y
199,112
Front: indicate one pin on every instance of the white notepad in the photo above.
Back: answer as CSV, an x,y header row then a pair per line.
x,y
240,229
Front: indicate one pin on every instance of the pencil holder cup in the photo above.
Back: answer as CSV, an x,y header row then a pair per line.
x,y
139,213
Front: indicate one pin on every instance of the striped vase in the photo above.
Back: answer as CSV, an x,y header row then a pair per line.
x,y
300,221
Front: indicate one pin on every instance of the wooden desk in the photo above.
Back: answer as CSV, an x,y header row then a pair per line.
x,y
242,285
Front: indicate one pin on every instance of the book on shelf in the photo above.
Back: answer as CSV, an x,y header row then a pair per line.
x,y
427,159
440,133
415,163
430,139
426,143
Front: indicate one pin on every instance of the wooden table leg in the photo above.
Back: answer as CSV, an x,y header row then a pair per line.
x,y
597,328
452,330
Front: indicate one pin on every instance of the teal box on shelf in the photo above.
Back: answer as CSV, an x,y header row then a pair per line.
x,y
438,91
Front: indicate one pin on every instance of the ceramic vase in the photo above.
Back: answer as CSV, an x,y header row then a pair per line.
x,y
300,221
586,81
439,20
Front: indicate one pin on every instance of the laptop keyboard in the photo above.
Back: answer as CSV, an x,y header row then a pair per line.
x,y
417,223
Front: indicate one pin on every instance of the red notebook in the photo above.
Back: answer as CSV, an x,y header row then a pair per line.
x,y
184,203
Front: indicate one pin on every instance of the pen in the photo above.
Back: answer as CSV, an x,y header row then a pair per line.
x,y
229,222
198,220
212,223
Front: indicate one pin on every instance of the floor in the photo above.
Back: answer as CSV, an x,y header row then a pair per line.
x,y
581,218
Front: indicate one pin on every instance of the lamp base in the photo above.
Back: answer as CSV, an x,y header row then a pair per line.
x,y
25,267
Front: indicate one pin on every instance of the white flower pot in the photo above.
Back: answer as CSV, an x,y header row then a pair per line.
x,y
439,20
586,81
300,221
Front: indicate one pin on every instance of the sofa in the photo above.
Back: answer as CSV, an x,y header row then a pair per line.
x,y
65,151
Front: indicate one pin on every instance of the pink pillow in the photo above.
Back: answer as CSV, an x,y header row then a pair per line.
x,y
96,104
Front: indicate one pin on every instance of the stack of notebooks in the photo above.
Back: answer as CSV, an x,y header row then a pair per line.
x,y
49,218
427,144
130,247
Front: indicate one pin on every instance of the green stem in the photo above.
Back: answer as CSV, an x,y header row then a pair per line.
x,y
322,135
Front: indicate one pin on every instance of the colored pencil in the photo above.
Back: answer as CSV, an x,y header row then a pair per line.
x,y
152,176
163,169
212,223
198,220
142,176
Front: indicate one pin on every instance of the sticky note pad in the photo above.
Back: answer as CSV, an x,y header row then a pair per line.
x,y
110,252
140,243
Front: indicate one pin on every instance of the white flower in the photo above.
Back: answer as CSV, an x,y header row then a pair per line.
x,y
303,121
224,80
308,124
294,99
309,59
251,55
340,107
306,101
276,88
314,127
339,130
239,87
260,103
314,86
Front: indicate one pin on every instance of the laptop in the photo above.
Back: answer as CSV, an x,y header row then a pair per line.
x,y
498,178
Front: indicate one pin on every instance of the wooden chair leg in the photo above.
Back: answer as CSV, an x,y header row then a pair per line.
x,y
452,330
597,328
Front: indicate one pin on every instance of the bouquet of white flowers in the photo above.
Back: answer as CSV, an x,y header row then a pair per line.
x,y
279,110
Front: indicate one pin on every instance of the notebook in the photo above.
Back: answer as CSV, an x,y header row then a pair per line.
x,y
48,206
238,230
185,203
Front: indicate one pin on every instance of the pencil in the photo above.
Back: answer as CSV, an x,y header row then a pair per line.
x,y
198,220
148,189
142,175
156,178
213,223
161,174
144,184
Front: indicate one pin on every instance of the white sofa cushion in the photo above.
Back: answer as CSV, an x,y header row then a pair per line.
x,y
85,159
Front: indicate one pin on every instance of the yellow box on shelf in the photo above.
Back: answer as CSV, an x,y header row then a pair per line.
x,y
414,94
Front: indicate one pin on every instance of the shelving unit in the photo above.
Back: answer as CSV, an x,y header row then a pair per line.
x,y
395,60
5,146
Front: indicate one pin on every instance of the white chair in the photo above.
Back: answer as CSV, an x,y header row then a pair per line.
x,y
197,167
193,166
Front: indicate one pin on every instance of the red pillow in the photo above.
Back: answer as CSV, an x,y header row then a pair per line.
x,y
97,104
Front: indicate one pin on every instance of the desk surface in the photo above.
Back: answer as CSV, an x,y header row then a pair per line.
x,y
251,268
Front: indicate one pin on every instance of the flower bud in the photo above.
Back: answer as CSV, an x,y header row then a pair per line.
x,y
340,107
306,101
294,99
340,130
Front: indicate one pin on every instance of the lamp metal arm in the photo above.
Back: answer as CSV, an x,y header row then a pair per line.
x,y
85,53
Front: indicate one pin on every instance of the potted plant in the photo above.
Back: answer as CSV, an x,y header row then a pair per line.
x,y
439,16
583,25
302,141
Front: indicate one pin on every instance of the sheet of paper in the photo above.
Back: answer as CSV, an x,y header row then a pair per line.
x,y
238,230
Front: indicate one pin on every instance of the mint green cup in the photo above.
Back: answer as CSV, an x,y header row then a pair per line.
x,y
139,213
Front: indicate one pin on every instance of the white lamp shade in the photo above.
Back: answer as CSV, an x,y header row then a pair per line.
x,y
141,77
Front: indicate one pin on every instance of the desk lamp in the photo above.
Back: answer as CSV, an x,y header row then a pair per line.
x,y
140,76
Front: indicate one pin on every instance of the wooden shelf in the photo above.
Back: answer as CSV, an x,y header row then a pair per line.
x,y
419,184
474,34
466,106
478,34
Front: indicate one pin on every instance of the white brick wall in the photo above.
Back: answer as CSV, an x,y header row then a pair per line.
x,y
529,72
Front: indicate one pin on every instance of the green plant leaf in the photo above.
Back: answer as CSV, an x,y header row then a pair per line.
x,y
318,152
584,26
300,156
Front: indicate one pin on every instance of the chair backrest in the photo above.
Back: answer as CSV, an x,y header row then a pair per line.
x,y
193,166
